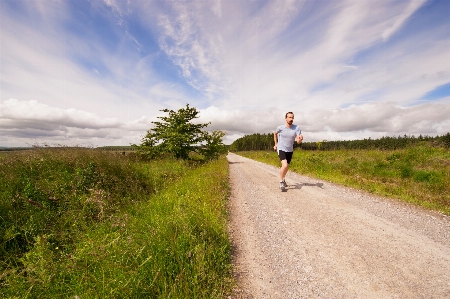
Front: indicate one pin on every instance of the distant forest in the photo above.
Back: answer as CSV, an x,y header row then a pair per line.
x,y
256,142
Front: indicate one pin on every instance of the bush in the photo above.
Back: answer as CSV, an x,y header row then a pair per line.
x,y
176,135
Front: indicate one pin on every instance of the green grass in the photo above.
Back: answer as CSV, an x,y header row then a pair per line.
x,y
114,227
418,175
93,224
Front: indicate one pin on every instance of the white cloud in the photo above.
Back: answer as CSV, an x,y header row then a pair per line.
x,y
31,121
429,118
239,121
27,114
368,120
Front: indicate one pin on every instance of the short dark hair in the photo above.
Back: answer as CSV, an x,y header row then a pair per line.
x,y
288,113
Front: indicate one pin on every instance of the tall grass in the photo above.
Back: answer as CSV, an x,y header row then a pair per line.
x,y
100,225
419,174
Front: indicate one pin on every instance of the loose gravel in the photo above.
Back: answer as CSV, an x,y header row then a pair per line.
x,y
321,240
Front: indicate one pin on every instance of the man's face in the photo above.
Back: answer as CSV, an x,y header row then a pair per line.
x,y
290,118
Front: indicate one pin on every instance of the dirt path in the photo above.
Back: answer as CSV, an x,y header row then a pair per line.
x,y
320,240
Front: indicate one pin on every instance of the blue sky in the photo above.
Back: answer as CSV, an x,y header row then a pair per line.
x,y
98,72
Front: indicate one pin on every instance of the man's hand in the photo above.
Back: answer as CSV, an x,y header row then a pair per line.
x,y
275,147
299,138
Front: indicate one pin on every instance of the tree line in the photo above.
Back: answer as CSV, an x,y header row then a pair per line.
x,y
265,142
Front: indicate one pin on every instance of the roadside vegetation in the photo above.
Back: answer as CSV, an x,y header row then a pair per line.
x,y
146,221
418,174
96,224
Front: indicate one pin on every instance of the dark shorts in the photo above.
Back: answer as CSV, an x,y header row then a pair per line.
x,y
285,156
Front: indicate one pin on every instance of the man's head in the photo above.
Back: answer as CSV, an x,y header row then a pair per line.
x,y
289,118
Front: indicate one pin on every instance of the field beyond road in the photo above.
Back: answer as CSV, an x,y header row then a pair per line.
x,y
321,240
419,174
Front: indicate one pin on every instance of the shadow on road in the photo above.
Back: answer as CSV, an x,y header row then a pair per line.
x,y
300,185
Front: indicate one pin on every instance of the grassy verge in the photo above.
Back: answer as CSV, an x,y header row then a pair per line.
x,y
160,234
418,175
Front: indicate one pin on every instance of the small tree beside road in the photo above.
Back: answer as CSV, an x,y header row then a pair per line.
x,y
177,135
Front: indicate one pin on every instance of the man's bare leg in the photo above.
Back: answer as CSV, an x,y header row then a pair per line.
x,y
283,169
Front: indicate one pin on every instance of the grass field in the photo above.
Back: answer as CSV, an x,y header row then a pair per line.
x,y
80,223
418,175
101,224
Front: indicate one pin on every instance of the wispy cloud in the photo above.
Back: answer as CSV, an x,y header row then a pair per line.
x,y
411,8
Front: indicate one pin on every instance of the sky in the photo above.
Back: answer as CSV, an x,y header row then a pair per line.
x,y
99,72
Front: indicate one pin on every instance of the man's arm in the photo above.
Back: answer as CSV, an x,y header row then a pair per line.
x,y
299,138
275,139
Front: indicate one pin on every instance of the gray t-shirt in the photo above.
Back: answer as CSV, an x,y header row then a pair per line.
x,y
286,137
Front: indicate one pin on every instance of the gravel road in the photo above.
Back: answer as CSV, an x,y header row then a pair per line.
x,y
321,240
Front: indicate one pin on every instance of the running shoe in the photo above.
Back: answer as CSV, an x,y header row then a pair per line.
x,y
285,184
282,186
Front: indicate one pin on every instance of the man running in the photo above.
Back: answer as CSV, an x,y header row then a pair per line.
x,y
284,138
